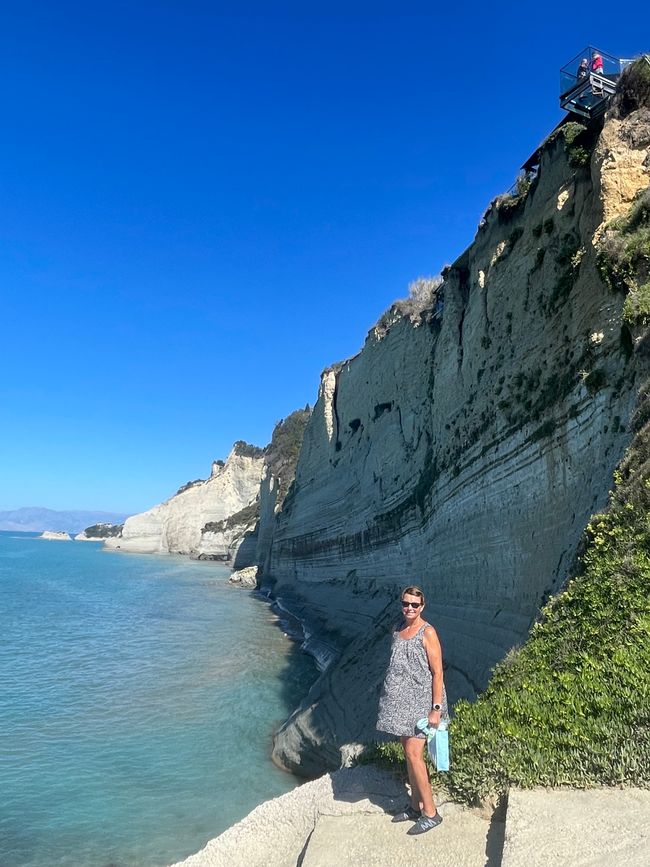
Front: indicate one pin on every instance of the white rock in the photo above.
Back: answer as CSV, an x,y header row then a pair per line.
x,y
56,536
246,577
175,525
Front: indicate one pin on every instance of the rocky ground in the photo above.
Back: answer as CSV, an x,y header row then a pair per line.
x,y
342,820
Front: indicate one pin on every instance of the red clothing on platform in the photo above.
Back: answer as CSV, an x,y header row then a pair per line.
x,y
597,64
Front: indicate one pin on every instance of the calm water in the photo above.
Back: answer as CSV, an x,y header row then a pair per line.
x,y
138,695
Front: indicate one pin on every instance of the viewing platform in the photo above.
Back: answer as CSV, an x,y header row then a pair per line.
x,y
588,81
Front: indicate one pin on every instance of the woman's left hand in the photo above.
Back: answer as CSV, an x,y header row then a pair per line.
x,y
434,719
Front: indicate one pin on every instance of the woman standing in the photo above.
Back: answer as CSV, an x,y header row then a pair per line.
x,y
414,689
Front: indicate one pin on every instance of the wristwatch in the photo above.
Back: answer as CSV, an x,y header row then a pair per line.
x,y
437,706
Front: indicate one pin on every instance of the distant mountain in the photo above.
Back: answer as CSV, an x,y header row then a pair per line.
x,y
35,519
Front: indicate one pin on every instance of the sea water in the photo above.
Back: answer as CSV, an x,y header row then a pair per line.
x,y
138,696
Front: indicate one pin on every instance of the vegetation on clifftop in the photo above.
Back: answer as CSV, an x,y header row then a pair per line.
x,y
572,705
422,297
282,452
104,531
244,518
633,90
246,450
624,259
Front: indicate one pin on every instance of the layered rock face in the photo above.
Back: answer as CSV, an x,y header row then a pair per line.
x,y
176,525
463,451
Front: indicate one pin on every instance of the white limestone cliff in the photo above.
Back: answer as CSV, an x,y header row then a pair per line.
x,y
176,525
464,451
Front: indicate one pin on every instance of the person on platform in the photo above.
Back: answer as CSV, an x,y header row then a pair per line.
x,y
597,65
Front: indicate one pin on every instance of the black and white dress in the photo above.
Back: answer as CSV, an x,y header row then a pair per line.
x,y
406,694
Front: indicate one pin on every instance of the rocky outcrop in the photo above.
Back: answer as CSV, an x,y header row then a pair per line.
x,y
465,450
234,539
176,525
246,577
99,533
56,536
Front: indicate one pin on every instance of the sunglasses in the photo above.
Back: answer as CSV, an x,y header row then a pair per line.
x,y
411,604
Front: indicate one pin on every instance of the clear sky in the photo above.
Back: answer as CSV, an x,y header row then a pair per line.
x,y
206,203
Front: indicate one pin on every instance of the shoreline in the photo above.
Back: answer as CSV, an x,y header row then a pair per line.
x,y
300,629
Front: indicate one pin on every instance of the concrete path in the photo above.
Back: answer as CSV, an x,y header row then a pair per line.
x,y
342,820
463,840
569,828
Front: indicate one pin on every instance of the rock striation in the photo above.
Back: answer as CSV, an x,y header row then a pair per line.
x,y
177,525
465,447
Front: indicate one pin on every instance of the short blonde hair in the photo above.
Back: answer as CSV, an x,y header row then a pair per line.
x,y
413,591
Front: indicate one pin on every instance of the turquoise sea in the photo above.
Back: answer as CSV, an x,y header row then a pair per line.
x,y
138,695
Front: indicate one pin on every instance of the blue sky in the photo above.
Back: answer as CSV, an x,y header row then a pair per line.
x,y
206,203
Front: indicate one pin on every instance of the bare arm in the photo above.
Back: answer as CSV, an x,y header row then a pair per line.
x,y
434,658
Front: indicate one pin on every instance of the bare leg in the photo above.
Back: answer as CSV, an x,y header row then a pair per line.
x,y
421,796
416,803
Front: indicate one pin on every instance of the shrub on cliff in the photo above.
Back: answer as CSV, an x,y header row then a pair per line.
x,y
633,90
624,259
246,450
104,531
282,453
421,297
245,517
579,141
571,707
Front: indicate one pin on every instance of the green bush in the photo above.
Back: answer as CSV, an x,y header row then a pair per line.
x,y
104,531
633,91
636,308
243,518
509,204
282,453
624,259
246,450
579,142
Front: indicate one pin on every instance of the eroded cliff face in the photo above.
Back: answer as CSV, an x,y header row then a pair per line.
x,y
464,451
176,525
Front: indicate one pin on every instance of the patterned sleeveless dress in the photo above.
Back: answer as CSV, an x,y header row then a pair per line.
x,y
406,693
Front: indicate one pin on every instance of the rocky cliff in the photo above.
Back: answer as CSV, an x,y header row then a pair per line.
x,y
466,446
179,524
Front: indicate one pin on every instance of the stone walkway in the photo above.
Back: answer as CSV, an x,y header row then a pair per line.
x,y
342,820
463,840
569,828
